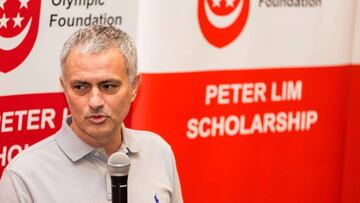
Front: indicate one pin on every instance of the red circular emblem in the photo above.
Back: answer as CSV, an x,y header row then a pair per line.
x,y
221,21
19,23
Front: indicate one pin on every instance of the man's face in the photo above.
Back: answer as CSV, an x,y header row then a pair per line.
x,y
98,92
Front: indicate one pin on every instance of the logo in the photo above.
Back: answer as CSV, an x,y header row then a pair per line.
x,y
19,23
221,21
156,198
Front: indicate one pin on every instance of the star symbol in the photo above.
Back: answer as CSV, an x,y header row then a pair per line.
x,y
24,3
216,3
17,20
2,4
3,21
230,3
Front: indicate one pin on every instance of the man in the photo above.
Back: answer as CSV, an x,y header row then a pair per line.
x,y
100,81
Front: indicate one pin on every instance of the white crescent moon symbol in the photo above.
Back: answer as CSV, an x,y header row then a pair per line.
x,y
222,21
13,42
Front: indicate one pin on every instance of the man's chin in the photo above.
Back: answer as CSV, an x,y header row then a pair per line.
x,y
99,134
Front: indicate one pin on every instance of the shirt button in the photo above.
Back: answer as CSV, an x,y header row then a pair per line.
x,y
97,154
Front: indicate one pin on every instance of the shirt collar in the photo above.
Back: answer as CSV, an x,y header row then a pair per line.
x,y
70,143
128,142
76,149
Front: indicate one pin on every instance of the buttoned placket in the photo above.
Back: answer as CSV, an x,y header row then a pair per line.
x,y
101,156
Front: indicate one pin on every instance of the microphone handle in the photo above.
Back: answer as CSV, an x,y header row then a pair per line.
x,y
119,189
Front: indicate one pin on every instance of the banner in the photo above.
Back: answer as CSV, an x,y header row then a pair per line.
x,y
251,95
258,99
351,180
31,37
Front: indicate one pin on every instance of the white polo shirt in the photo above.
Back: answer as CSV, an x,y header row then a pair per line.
x,y
64,169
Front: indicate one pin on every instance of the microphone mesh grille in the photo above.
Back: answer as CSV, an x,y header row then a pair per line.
x,y
118,164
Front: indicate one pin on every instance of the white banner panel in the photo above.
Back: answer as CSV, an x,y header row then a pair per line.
x,y
356,34
273,35
40,67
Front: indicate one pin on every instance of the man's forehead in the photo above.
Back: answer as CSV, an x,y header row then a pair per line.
x,y
88,74
85,59
85,81
94,67
87,51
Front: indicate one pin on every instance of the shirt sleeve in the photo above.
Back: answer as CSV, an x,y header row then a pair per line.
x,y
176,197
13,189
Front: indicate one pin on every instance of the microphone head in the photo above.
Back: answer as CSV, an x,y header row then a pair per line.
x,y
118,164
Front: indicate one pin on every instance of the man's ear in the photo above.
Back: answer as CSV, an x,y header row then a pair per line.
x,y
135,87
62,82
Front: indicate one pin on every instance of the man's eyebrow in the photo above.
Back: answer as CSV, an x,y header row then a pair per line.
x,y
79,82
110,81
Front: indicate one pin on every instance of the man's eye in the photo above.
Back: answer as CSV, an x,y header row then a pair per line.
x,y
81,87
109,88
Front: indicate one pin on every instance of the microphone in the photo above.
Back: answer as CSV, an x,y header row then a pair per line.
x,y
118,169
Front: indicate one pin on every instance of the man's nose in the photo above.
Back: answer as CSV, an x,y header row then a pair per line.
x,y
96,101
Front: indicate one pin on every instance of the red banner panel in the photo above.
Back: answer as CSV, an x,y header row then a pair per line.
x,y
240,133
351,180
27,119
